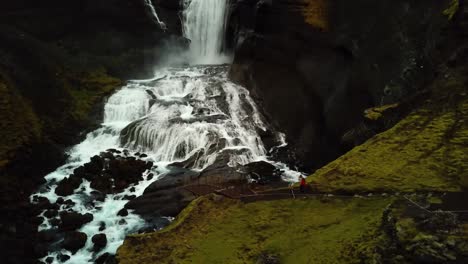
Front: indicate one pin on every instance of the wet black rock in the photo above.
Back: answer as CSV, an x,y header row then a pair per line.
x,y
63,257
150,176
68,185
129,197
73,241
72,220
100,241
51,213
164,197
46,235
263,172
114,151
123,212
109,173
189,162
49,260
102,226
43,203
54,221
106,258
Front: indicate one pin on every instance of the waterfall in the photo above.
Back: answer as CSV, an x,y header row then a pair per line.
x,y
188,113
204,24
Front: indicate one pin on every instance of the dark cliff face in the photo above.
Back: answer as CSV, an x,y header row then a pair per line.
x,y
315,65
119,35
58,62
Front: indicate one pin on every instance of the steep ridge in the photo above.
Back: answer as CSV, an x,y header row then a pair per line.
x,y
426,151
332,60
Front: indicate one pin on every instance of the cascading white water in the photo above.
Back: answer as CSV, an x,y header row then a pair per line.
x,y
195,112
204,24
184,113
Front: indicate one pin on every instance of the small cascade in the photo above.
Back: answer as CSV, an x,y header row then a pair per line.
x,y
193,112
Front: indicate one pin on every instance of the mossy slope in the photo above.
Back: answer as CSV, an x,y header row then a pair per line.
x,y
19,124
295,231
315,13
426,151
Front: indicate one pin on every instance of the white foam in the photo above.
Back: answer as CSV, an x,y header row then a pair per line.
x,y
228,117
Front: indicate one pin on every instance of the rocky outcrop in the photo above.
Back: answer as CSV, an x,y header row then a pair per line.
x,y
315,65
423,152
100,241
168,197
72,221
73,241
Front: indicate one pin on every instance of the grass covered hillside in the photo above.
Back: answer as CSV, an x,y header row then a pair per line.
x,y
293,231
324,230
426,151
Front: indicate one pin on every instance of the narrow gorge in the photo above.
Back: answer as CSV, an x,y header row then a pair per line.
x,y
234,131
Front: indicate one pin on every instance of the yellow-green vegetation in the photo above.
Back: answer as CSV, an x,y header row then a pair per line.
x,y
427,150
88,88
315,13
311,230
452,9
19,125
376,113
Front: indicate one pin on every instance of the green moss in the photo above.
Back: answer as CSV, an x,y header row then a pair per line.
x,y
452,9
426,151
19,125
22,125
297,231
87,89
315,13
376,112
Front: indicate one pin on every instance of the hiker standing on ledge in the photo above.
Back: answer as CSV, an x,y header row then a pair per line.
x,y
302,185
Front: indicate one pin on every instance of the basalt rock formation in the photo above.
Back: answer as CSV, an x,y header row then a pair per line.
x,y
315,65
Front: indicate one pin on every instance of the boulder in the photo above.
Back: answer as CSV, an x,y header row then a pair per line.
x,y
106,258
100,241
51,213
123,212
73,241
72,220
164,197
63,257
262,172
68,185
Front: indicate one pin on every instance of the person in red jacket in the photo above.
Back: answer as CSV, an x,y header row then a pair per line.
x,y
303,184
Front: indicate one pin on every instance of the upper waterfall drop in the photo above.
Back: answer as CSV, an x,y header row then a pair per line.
x,y
204,23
